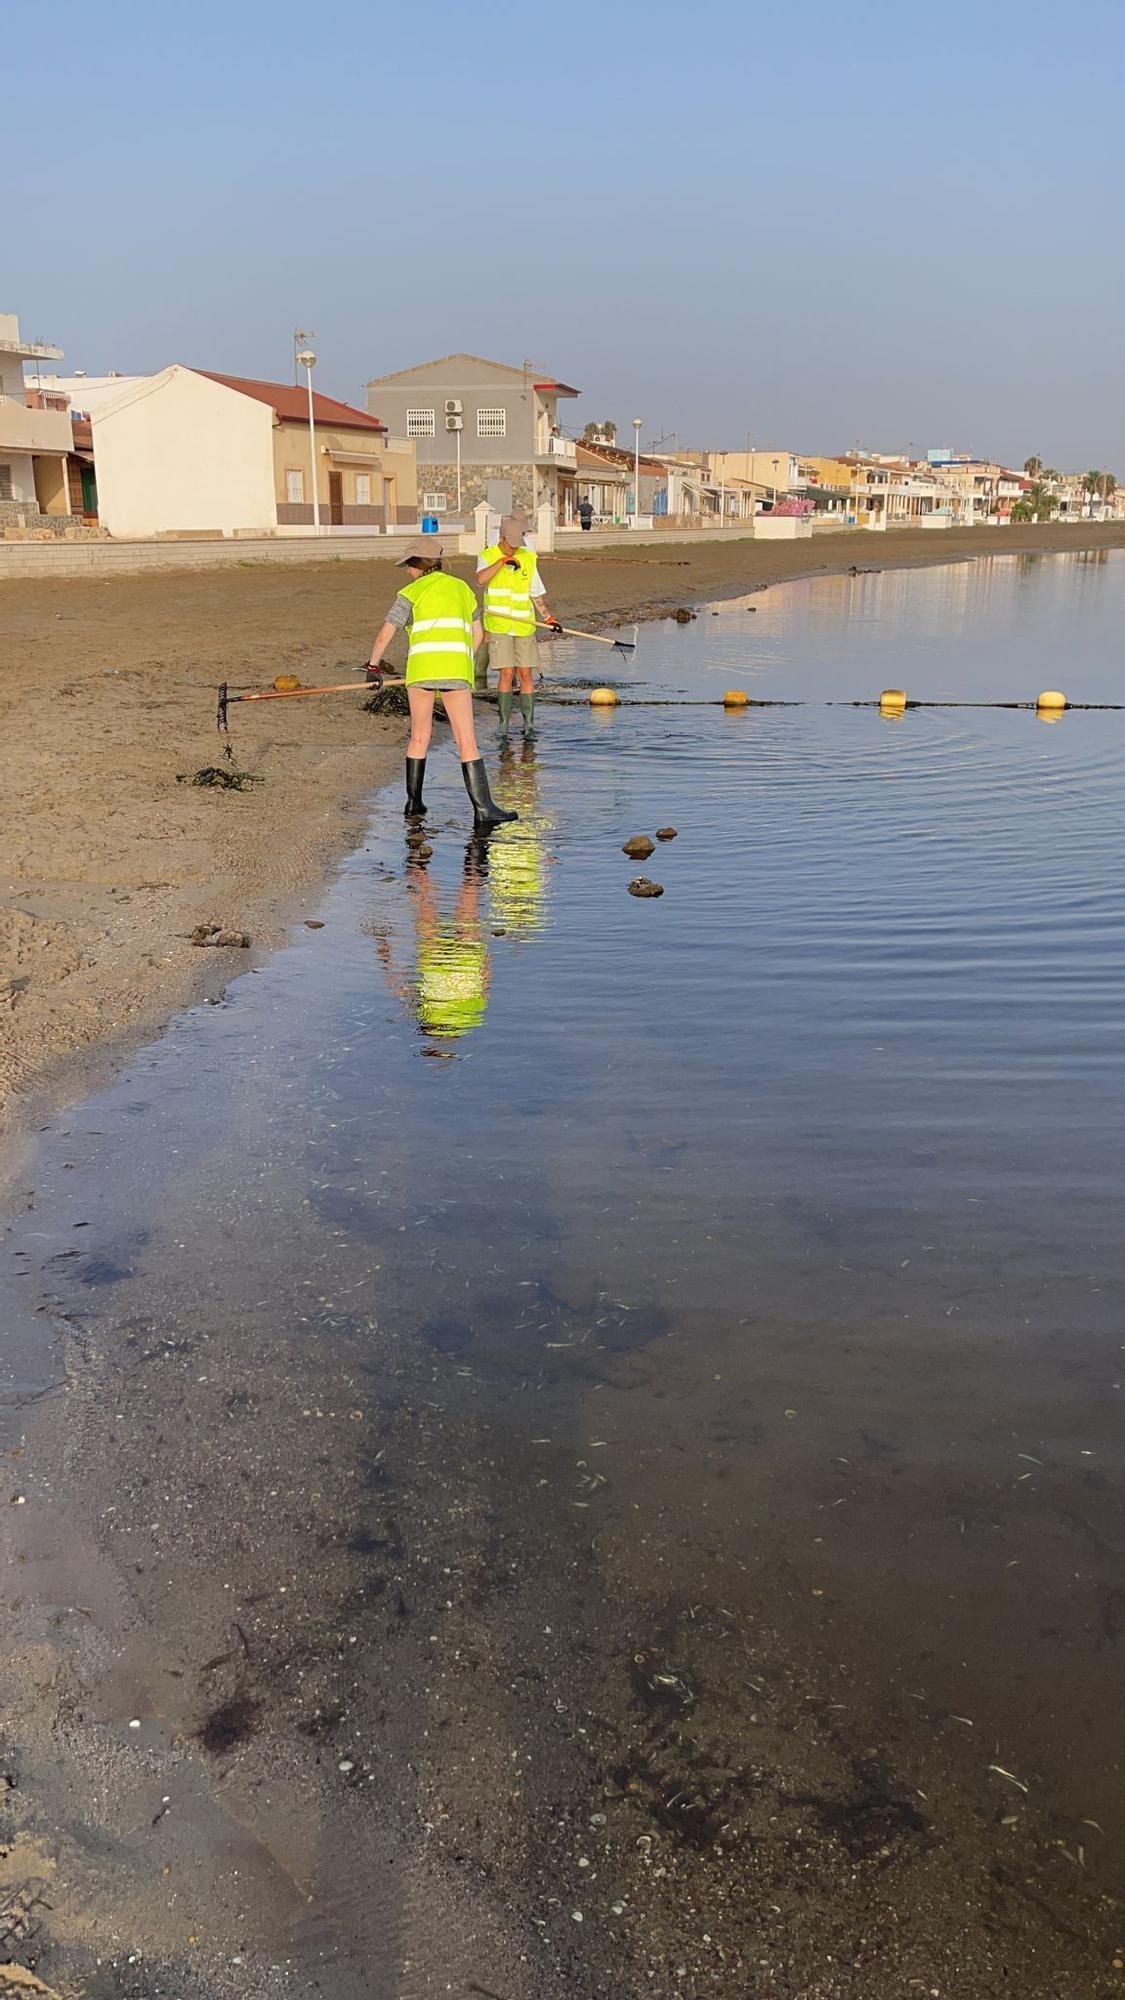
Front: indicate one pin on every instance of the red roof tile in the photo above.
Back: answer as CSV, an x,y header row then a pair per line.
x,y
291,404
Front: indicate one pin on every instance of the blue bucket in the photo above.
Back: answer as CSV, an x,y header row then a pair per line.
x,y
429,524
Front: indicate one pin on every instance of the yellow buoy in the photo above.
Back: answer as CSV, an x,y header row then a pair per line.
x,y
892,701
1051,699
603,698
736,698
286,684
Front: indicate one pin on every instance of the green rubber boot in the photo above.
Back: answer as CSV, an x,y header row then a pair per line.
x,y
505,701
527,710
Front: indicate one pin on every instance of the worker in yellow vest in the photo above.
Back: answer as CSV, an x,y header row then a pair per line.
x,y
444,636
508,573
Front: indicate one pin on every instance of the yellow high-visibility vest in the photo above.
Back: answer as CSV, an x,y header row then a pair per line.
x,y
508,603
441,630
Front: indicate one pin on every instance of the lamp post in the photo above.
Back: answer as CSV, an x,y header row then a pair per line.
x,y
307,360
637,422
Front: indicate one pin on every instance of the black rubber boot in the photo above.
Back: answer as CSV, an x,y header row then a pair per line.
x,y
485,810
527,710
415,773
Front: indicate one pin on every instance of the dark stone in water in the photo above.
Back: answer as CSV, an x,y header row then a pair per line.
x,y
666,832
639,848
641,886
683,616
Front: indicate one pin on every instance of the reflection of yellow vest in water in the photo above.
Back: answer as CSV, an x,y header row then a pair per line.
x,y
452,985
517,878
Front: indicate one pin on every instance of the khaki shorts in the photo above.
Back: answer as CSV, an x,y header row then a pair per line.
x,y
512,649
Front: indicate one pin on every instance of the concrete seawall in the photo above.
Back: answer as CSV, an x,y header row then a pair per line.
x,y
47,559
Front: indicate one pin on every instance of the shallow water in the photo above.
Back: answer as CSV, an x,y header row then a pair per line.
x,y
785,1209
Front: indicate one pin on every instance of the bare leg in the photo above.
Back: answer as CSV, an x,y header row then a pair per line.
x,y
458,705
421,720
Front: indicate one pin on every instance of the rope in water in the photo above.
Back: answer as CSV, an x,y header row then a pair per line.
x,y
716,701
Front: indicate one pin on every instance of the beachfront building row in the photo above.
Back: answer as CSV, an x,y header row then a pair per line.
x,y
189,453
198,453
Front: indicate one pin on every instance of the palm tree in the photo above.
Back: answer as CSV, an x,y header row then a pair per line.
x,y
1033,467
1037,505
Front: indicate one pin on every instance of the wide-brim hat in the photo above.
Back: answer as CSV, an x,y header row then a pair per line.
x,y
427,549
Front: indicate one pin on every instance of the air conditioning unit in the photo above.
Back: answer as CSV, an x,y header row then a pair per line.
x,y
455,423
453,406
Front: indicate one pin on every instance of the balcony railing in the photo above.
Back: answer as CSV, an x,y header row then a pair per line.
x,y
560,448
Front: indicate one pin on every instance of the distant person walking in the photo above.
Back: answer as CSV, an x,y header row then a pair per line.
x,y
444,635
508,573
586,514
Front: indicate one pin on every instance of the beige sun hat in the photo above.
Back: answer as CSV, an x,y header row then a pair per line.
x,y
426,549
513,528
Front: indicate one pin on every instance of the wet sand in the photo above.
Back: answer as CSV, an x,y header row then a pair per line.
x,y
107,694
356,1653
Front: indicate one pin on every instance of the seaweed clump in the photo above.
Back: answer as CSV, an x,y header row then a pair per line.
x,y
220,778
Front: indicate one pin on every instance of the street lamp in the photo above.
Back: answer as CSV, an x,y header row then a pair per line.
x,y
637,422
307,360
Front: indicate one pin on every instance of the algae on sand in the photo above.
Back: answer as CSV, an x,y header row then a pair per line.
x,y
220,778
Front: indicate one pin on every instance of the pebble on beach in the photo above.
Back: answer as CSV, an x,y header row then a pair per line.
x,y
642,886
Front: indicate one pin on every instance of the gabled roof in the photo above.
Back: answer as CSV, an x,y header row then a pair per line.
x,y
290,404
455,364
617,456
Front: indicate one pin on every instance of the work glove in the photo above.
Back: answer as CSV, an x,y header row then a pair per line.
x,y
374,676
553,625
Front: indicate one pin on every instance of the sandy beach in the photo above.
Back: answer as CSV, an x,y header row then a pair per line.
x,y
107,702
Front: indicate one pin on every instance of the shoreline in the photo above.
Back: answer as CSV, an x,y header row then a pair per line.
x,y
112,861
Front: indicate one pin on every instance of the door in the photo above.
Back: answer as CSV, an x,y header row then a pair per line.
x,y
390,504
335,499
89,492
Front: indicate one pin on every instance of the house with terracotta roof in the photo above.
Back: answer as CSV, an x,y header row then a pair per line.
x,y
482,430
191,453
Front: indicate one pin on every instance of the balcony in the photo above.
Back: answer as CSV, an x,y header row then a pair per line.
x,y
43,431
558,451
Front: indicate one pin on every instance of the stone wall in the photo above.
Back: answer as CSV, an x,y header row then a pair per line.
x,y
22,521
474,484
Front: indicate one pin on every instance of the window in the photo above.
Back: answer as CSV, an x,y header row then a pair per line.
x,y
294,486
420,424
363,489
5,482
434,503
492,423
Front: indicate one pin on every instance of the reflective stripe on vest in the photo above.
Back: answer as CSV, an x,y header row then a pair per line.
x,y
507,599
441,630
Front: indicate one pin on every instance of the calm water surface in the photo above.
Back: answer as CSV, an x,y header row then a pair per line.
x,y
792,1200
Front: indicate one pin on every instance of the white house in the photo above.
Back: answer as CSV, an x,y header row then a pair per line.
x,y
179,454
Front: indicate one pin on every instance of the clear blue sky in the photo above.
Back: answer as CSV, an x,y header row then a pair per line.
x,y
816,223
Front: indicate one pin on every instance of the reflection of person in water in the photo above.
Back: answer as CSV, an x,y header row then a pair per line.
x,y
449,991
517,855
